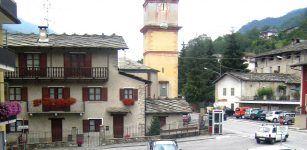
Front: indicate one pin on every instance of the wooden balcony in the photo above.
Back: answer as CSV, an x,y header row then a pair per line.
x,y
58,73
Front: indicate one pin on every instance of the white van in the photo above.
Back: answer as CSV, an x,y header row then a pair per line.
x,y
271,133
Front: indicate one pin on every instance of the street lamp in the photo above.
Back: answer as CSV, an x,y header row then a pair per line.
x,y
213,71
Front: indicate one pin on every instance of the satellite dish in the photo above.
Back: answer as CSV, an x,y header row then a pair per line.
x,y
163,25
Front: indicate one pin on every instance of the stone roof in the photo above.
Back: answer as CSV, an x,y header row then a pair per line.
x,y
65,40
264,77
297,47
128,64
167,106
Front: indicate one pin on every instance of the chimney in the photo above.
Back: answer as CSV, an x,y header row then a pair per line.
x,y
297,40
43,34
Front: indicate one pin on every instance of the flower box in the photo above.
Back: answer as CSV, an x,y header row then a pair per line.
x,y
128,102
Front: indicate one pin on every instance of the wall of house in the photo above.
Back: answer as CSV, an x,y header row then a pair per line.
x,y
228,83
92,109
265,65
250,89
173,121
154,86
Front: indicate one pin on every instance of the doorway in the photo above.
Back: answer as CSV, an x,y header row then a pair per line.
x,y
56,129
118,126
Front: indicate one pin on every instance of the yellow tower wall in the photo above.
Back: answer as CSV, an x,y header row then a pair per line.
x,y
160,53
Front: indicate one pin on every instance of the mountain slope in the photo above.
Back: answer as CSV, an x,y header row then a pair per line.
x,y
291,19
24,27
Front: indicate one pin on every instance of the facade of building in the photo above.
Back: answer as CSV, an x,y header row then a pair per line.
x,y
160,33
8,15
280,60
69,83
169,111
240,89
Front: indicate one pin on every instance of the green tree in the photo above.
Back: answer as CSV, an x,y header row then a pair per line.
x,y
197,86
154,126
181,69
232,59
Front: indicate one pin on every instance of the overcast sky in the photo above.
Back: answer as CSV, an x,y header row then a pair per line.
x,y
125,17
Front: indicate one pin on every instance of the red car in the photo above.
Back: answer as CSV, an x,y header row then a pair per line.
x,y
240,112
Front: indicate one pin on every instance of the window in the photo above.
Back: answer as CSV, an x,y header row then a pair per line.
x,y
278,69
232,91
262,59
271,58
224,91
288,56
15,93
13,127
95,94
261,70
128,93
163,89
92,125
56,92
162,120
33,61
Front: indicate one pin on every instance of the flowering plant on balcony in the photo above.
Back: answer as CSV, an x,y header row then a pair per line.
x,y
128,102
54,102
9,109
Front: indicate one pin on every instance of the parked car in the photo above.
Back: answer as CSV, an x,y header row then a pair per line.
x,y
263,115
256,114
250,111
240,111
287,118
165,144
271,133
273,116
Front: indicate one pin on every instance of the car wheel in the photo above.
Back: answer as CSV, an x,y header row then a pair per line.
x,y
237,117
289,122
284,140
273,141
274,120
258,141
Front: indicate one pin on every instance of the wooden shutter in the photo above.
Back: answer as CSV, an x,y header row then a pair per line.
x,y
67,65
135,94
43,64
22,61
86,126
104,94
85,93
97,125
7,128
45,92
66,92
24,93
121,94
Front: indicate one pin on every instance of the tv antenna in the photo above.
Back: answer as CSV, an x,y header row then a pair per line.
x,y
47,6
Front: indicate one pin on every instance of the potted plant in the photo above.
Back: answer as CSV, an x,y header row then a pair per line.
x,y
128,102
265,92
9,110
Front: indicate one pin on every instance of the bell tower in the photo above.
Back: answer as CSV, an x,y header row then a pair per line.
x,y
160,32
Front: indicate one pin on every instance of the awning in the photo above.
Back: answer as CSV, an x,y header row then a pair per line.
x,y
271,102
118,110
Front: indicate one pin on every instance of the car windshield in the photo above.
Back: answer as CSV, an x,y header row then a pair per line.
x,y
164,147
264,129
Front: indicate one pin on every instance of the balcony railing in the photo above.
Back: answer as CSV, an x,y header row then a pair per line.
x,y
58,73
33,107
271,98
7,57
10,7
